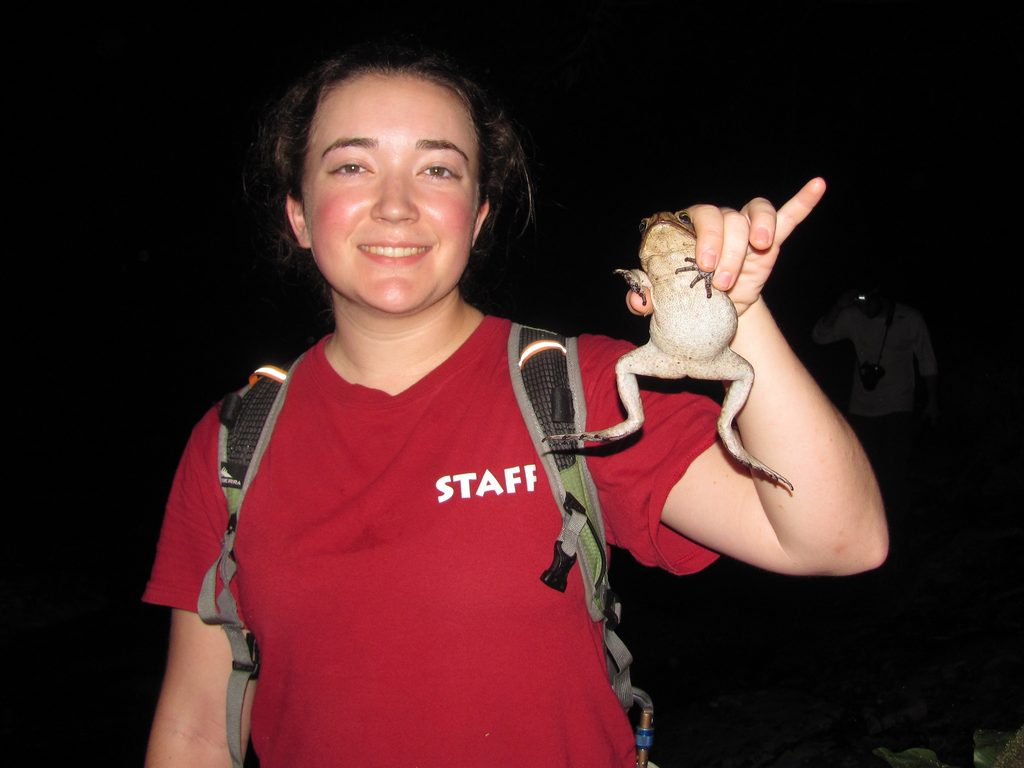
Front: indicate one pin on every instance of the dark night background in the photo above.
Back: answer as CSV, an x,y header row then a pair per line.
x,y
151,302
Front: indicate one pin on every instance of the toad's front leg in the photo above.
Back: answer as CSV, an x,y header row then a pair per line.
x,y
701,274
638,281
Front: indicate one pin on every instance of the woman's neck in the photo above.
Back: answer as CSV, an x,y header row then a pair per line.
x,y
392,353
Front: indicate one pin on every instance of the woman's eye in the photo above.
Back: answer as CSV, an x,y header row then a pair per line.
x,y
347,169
441,172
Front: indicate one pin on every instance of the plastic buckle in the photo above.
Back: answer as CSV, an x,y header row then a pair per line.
x,y
572,504
252,666
611,616
557,574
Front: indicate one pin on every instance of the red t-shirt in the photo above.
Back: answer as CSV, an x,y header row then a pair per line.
x,y
389,554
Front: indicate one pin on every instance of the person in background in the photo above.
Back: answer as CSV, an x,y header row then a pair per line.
x,y
894,357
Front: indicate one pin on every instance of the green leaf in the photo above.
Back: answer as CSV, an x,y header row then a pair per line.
x,y
988,745
918,757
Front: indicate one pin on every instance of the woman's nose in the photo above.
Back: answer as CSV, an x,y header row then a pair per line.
x,y
395,200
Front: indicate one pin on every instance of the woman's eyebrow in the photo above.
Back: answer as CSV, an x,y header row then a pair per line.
x,y
373,144
440,144
349,142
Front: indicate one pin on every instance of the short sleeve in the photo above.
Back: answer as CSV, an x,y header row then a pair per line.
x,y
634,476
194,523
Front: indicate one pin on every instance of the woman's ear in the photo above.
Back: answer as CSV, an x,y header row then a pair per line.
x,y
297,218
481,215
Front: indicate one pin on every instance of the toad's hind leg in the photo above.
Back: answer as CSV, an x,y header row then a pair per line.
x,y
740,374
626,370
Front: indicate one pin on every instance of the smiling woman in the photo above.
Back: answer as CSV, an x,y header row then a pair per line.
x,y
389,553
279,163
390,205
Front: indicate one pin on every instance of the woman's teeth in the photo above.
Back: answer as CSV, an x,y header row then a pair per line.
x,y
394,252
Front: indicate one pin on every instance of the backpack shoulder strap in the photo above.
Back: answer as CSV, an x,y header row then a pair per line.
x,y
247,421
550,399
546,378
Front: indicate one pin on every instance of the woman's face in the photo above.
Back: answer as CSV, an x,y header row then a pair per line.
x,y
390,197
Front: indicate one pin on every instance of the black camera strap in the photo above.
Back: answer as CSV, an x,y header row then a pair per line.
x,y
888,322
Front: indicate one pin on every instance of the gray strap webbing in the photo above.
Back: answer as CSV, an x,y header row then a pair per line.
x,y
240,446
543,367
541,378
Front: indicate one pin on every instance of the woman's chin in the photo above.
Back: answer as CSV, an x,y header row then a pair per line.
x,y
397,298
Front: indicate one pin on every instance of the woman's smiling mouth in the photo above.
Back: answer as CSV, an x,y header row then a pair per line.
x,y
394,251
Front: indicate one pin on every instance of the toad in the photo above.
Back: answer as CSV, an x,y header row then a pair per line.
x,y
691,328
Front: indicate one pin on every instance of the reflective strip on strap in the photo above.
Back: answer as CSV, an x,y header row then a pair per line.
x,y
270,372
539,346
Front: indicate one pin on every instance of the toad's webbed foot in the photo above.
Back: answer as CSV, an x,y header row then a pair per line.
x,y
741,455
701,274
591,437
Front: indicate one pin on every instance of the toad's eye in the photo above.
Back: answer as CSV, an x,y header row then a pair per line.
x,y
684,218
643,226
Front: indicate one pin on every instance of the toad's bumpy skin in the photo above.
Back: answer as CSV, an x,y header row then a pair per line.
x,y
691,329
